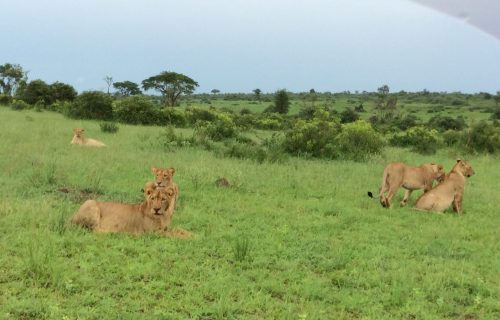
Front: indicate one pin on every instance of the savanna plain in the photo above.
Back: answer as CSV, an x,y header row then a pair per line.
x,y
296,239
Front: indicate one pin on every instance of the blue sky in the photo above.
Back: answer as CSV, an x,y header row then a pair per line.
x,y
237,45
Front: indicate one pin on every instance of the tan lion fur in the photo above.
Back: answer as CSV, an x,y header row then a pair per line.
x,y
449,192
150,216
78,138
398,174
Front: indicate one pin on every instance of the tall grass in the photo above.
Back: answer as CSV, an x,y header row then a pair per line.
x,y
297,239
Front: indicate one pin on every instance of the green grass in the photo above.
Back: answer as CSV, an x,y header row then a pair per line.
x,y
296,240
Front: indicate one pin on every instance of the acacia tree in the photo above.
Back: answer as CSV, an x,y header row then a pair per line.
x,y
171,85
11,77
127,88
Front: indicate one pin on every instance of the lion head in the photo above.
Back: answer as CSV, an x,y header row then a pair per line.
x,y
78,132
464,168
438,171
163,176
158,200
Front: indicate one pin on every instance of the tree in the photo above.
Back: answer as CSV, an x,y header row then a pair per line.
x,y
257,93
281,102
11,77
171,85
215,91
109,81
127,88
62,92
35,91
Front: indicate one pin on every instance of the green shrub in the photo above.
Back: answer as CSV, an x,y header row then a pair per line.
x,y
452,138
136,110
443,123
221,128
312,137
173,117
358,141
91,105
482,137
19,105
109,127
419,139
5,99
194,115
348,116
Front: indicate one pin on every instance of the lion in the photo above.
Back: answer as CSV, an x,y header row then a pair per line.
x,y
398,174
163,178
449,192
78,138
150,216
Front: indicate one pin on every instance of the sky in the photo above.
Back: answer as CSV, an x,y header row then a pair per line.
x,y
241,45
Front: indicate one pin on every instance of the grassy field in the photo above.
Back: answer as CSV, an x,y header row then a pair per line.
x,y
296,240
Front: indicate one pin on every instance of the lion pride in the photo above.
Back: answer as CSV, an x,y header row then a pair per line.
x,y
150,216
449,192
78,138
398,174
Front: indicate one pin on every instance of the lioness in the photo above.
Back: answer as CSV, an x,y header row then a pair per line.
x,y
398,174
450,191
78,138
149,216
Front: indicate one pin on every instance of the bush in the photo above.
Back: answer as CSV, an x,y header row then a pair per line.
x,y
358,141
136,110
194,115
109,127
35,91
348,116
91,105
482,137
312,137
5,99
173,117
420,139
452,138
222,128
443,123
19,105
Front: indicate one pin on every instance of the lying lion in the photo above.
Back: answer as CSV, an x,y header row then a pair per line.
x,y
449,192
78,138
398,174
150,216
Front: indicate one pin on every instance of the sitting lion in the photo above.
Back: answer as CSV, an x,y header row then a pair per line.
x,y
163,179
398,174
150,216
449,192
78,138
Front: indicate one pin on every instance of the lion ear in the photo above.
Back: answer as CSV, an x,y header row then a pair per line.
x,y
170,191
153,169
171,170
458,160
440,166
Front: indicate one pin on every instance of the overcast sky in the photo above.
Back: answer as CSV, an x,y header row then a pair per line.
x,y
240,45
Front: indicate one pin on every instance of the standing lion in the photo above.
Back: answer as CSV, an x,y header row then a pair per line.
x,y
398,174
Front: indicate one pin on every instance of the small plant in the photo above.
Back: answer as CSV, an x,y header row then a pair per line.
x,y
109,127
241,249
